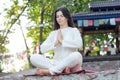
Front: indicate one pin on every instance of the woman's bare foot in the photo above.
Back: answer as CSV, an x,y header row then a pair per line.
x,y
67,70
41,71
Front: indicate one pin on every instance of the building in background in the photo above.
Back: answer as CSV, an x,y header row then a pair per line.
x,y
100,28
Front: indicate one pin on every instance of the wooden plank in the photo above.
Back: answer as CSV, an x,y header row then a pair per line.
x,y
98,32
102,58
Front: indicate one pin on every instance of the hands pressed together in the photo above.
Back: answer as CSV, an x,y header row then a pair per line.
x,y
59,38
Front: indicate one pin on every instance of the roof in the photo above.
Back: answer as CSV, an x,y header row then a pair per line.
x,y
95,15
112,10
104,4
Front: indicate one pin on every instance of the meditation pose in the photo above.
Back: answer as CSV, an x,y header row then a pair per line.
x,y
64,40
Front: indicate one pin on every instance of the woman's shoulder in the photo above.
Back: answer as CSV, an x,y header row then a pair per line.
x,y
53,32
73,28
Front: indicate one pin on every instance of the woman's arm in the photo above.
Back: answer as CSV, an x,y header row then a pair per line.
x,y
48,44
75,40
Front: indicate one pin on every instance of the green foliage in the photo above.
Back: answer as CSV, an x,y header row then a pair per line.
x,y
2,44
34,34
12,15
41,12
0,66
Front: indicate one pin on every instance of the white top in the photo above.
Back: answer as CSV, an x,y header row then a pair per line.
x,y
71,42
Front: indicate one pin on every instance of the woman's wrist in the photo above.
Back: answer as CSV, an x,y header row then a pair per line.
x,y
58,42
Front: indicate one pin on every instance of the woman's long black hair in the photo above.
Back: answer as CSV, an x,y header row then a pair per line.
x,y
66,14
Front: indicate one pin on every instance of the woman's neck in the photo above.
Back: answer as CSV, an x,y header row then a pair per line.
x,y
65,26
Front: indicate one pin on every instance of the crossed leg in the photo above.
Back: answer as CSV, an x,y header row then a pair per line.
x,y
42,71
45,67
45,71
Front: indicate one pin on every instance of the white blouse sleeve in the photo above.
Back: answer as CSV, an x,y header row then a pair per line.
x,y
48,44
75,40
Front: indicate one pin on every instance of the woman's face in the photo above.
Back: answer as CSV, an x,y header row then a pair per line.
x,y
61,20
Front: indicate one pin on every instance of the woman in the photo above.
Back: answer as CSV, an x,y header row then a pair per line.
x,y
64,41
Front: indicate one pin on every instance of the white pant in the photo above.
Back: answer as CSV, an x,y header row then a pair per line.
x,y
54,66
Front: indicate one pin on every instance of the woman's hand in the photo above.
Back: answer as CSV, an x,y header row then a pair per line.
x,y
59,38
57,43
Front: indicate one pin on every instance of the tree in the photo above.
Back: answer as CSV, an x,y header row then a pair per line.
x,y
41,12
12,15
